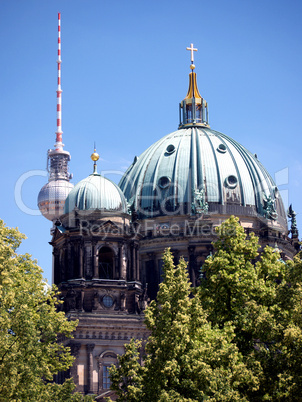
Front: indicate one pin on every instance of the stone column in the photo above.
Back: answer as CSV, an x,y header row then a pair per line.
x,y
82,300
120,254
123,262
100,375
133,273
75,351
95,268
88,260
116,271
137,263
81,260
90,348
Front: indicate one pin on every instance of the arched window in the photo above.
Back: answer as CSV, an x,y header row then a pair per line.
x,y
106,360
106,263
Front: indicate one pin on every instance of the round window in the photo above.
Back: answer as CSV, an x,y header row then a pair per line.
x,y
107,301
222,148
164,182
231,181
170,149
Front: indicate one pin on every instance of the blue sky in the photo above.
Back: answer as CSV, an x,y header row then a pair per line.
x,y
124,70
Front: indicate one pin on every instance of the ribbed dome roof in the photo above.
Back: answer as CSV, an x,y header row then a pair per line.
x,y
231,178
96,192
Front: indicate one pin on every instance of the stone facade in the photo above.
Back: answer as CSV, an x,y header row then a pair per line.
x,y
108,267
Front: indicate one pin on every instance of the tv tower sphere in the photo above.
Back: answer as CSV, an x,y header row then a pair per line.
x,y
51,199
52,196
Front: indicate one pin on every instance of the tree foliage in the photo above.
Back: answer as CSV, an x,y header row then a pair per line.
x,y
237,337
260,295
30,327
186,358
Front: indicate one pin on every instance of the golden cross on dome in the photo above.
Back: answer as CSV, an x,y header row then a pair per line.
x,y
192,49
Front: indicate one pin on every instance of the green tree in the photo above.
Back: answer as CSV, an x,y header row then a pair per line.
x,y
30,327
186,359
127,377
260,296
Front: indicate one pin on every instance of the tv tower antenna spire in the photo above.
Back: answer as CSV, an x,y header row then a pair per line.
x,y
52,196
59,145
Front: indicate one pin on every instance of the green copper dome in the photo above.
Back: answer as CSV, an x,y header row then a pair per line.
x,y
196,167
199,171
96,193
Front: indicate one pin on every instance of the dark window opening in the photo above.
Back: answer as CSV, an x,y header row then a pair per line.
x,y
106,258
198,114
189,113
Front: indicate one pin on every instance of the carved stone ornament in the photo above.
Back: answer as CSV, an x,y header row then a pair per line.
x,y
199,204
71,300
269,207
90,347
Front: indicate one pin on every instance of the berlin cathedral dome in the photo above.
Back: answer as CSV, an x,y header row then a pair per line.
x,y
199,169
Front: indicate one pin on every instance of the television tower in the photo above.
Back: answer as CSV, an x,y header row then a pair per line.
x,y
52,196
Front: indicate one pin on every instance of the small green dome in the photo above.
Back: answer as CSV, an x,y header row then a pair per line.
x,y
96,193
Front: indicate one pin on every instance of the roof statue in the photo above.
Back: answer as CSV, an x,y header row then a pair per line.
x,y
269,207
292,215
199,204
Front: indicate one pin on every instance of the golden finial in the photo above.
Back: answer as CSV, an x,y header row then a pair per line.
x,y
192,50
95,157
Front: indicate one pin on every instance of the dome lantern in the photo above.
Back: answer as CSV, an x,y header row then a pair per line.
x,y
193,110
